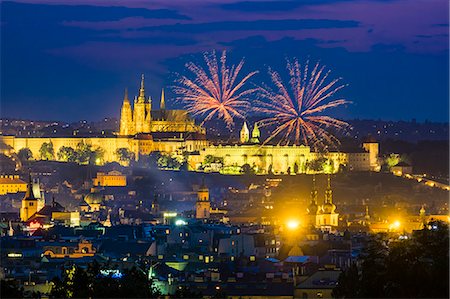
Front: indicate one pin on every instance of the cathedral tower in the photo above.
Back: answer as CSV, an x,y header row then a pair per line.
x,y
245,133
29,203
162,104
142,108
203,205
255,134
126,117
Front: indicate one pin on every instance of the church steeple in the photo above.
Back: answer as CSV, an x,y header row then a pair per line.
x,y
141,98
29,202
244,135
29,194
255,134
163,101
314,190
328,191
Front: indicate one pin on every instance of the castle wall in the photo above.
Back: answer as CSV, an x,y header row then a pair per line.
x,y
108,144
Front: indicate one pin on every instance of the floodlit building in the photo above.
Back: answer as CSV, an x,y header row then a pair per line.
x,y
143,130
110,179
282,159
11,184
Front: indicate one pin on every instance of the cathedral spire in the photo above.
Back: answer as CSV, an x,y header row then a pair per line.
x,y
163,101
125,97
141,97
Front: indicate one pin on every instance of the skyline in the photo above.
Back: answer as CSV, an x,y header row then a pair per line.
x,y
78,60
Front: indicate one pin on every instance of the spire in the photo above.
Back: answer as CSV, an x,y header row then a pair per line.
x,y
367,216
314,190
422,211
255,133
328,191
125,97
141,97
29,194
244,133
163,101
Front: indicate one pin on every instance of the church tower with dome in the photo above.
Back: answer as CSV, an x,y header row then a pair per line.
x,y
323,217
312,207
328,218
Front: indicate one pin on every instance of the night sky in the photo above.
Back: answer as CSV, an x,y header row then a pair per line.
x,y
61,61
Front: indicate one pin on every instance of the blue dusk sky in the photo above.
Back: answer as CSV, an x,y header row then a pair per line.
x,y
72,60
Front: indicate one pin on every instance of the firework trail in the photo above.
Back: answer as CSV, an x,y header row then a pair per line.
x,y
215,92
297,110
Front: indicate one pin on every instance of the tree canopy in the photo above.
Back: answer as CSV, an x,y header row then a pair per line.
x,y
413,268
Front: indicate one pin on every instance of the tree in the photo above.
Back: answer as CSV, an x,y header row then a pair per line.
x,y
96,156
125,155
247,169
9,289
24,154
92,283
46,151
296,169
413,268
392,160
67,154
316,165
83,151
209,159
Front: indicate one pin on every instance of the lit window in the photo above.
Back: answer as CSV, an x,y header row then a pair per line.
x,y
252,258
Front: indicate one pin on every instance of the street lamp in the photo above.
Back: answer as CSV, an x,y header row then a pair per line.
x,y
292,224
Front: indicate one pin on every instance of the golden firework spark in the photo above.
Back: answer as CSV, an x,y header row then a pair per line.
x,y
296,111
216,90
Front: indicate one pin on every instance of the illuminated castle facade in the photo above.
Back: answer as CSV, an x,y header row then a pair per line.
x,y
284,159
143,130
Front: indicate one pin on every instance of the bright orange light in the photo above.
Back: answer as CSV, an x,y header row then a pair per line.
x,y
292,224
395,225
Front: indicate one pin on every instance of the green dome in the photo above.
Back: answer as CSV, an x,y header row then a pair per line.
x,y
93,198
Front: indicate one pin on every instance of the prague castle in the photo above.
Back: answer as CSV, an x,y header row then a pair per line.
x,y
283,159
143,130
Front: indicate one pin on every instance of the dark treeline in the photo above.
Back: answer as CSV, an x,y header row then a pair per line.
x,y
413,268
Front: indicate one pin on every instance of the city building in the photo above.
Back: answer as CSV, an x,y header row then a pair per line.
x,y
143,130
203,205
29,203
282,159
111,179
11,184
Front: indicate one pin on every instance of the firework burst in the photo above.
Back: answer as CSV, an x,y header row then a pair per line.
x,y
215,92
297,110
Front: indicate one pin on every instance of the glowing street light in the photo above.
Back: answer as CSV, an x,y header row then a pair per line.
x,y
292,224
395,225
